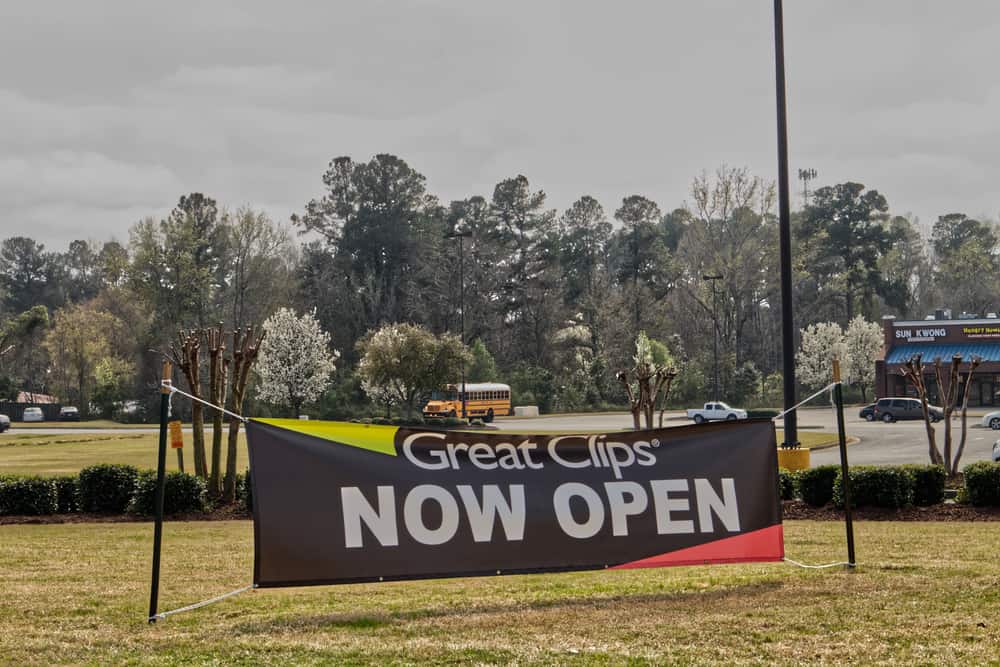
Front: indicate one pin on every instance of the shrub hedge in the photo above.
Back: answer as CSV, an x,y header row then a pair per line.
x,y
876,486
67,493
816,484
408,421
106,488
28,495
182,492
787,482
982,483
928,483
119,488
244,491
411,422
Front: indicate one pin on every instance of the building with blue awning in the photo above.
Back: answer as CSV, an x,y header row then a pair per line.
x,y
941,339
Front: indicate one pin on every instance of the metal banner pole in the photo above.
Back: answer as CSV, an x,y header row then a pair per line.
x,y
844,469
161,465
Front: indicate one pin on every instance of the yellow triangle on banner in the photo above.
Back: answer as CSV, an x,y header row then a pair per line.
x,y
375,438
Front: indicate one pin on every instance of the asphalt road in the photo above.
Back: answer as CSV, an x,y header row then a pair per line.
x,y
904,442
881,444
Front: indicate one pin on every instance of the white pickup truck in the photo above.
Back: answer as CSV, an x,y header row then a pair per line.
x,y
716,411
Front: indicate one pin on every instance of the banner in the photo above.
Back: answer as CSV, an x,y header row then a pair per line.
x,y
342,502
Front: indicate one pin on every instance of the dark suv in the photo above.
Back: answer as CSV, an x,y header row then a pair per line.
x,y
891,409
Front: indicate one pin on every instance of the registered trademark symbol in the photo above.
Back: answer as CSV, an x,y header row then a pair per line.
x,y
656,442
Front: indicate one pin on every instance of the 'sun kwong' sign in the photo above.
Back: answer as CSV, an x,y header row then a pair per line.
x,y
339,503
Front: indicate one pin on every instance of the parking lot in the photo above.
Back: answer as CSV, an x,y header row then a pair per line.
x,y
880,444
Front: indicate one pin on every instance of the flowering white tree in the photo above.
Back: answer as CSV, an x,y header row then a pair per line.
x,y
295,360
862,345
857,348
820,344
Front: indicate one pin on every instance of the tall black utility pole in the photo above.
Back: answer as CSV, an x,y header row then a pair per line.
x,y
785,234
715,336
461,236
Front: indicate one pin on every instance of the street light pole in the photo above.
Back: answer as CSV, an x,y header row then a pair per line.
x,y
461,236
785,235
715,336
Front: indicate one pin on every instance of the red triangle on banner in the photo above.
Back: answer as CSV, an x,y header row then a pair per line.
x,y
766,544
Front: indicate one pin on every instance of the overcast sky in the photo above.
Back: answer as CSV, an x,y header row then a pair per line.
x,y
109,111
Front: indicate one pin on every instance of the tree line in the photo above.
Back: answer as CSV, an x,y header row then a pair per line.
x,y
553,300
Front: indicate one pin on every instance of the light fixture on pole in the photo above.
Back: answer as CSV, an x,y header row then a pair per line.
x,y
458,232
806,175
715,336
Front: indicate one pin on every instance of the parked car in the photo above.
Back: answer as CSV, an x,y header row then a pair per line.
x,y
992,420
868,412
996,451
892,409
716,411
33,415
68,413
4,423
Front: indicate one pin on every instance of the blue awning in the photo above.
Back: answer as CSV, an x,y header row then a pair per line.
x,y
900,354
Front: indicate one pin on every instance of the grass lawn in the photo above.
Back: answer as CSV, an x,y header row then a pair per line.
x,y
66,453
925,593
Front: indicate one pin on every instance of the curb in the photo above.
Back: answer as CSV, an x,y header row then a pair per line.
x,y
851,440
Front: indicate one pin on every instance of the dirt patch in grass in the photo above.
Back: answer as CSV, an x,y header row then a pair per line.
x,y
791,510
224,513
796,509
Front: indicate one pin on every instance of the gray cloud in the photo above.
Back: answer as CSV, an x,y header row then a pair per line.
x,y
109,111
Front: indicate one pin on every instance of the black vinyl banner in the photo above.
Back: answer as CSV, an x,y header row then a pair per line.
x,y
341,502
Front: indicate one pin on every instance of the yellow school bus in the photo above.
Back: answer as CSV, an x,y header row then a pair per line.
x,y
484,400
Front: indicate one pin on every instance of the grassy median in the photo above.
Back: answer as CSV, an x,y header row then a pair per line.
x,y
811,439
66,453
925,593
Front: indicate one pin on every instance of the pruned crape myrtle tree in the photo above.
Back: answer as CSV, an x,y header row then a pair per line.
x,y
188,358
296,361
218,368
913,370
246,347
186,355
402,363
663,358
644,381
